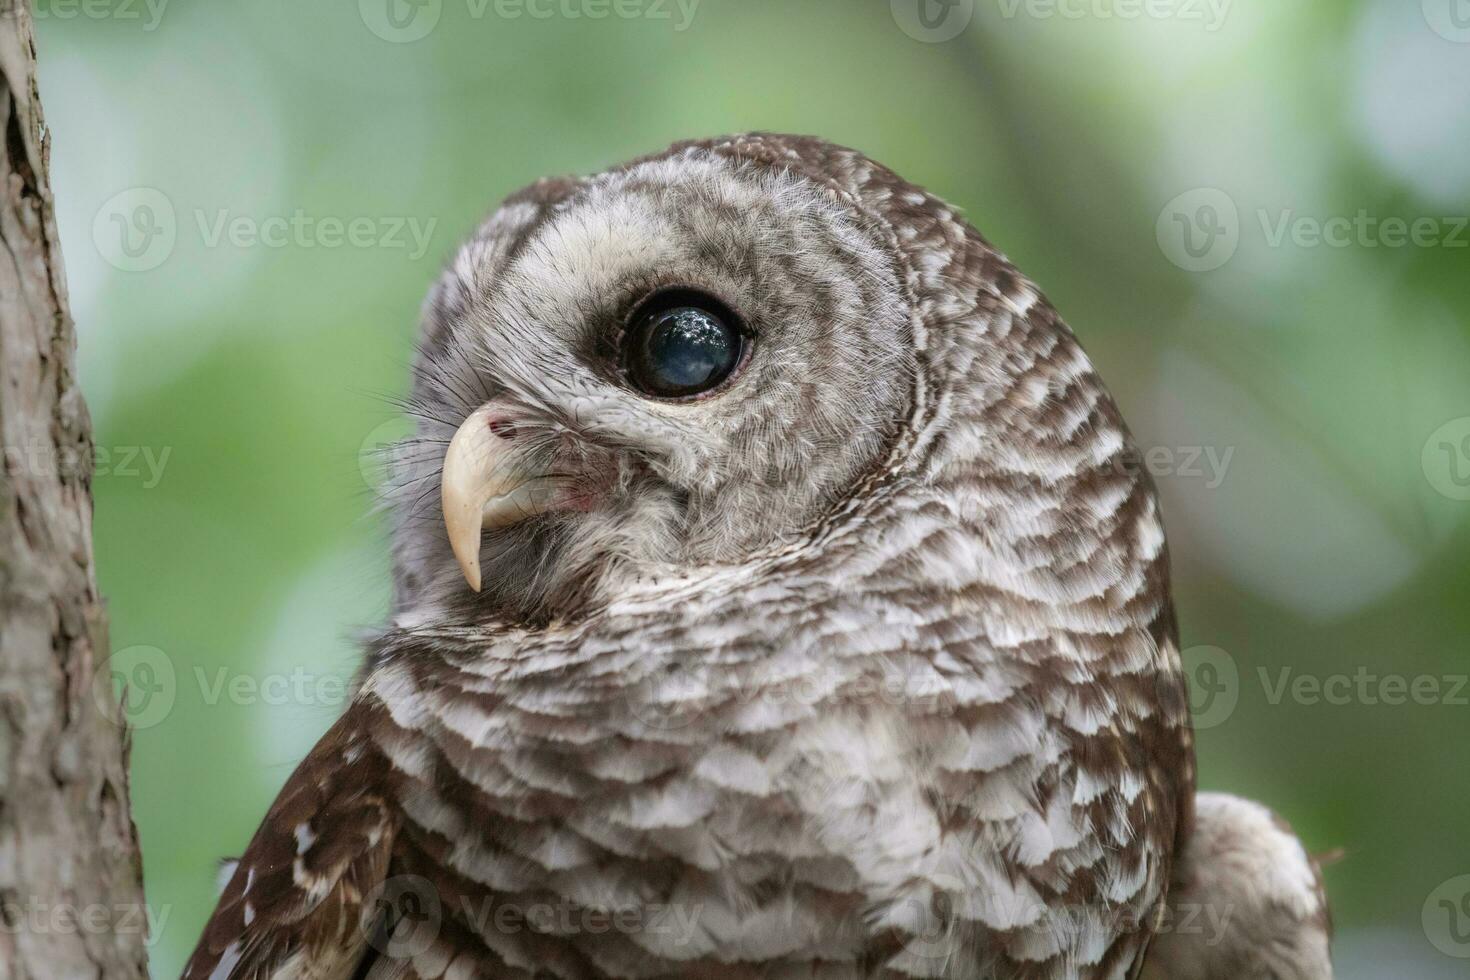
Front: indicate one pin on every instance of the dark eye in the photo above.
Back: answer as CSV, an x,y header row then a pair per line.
x,y
682,344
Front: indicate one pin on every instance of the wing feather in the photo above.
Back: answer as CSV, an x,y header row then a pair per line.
x,y
294,908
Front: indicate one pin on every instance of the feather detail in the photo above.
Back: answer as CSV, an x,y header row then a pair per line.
x,y
294,905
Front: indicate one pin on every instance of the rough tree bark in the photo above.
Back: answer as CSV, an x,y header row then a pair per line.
x,y
71,894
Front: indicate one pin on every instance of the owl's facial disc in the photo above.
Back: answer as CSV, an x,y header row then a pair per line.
x,y
698,359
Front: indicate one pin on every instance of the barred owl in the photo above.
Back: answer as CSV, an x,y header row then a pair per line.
x,y
777,595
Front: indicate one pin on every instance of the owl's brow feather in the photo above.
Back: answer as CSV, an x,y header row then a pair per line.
x,y
458,350
443,381
446,382
518,365
416,410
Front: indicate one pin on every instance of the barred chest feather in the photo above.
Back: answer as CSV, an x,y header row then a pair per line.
x,y
850,784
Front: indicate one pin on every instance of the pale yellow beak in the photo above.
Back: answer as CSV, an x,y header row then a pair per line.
x,y
483,485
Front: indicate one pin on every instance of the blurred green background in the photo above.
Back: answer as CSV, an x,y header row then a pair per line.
x,y
237,186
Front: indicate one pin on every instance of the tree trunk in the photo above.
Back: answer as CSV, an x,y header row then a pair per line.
x,y
71,894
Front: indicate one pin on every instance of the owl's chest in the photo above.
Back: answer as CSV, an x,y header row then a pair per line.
x,y
806,810
775,798
802,842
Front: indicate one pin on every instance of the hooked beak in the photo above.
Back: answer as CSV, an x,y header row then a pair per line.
x,y
485,485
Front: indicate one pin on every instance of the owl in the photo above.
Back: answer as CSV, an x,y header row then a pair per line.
x,y
777,594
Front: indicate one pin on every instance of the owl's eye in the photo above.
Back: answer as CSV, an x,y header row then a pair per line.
x,y
682,344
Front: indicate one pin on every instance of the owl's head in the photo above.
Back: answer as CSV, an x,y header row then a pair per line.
x,y
684,362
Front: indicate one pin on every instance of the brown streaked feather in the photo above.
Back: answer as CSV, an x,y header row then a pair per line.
x,y
294,905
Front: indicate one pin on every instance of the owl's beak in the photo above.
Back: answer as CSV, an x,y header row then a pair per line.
x,y
484,485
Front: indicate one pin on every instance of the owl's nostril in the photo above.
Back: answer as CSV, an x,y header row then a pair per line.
x,y
502,428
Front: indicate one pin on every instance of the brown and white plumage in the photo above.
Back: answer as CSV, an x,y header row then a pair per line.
x,y
864,665
1247,902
